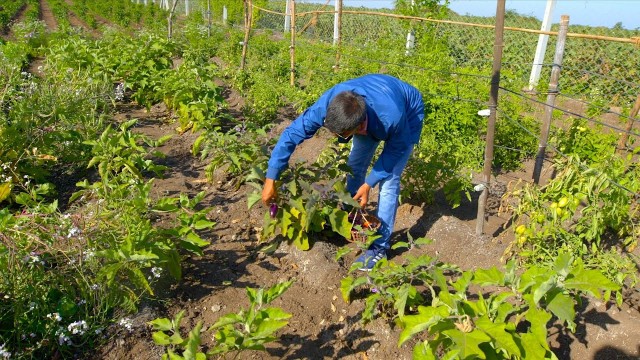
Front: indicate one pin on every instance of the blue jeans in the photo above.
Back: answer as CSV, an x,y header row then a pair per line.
x,y
362,151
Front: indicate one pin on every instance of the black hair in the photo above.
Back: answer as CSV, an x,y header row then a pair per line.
x,y
346,111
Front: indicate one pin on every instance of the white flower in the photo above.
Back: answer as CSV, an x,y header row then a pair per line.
x,y
78,327
119,92
126,323
54,316
4,354
32,305
73,232
156,271
95,287
64,339
89,255
82,302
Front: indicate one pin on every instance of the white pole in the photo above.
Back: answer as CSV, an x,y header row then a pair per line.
x,y
336,20
287,17
411,36
224,15
186,7
536,67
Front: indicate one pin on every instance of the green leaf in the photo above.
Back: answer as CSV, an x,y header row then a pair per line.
x,y
422,351
227,320
275,291
590,281
562,264
444,294
274,313
193,343
253,199
562,306
426,317
137,277
160,338
532,347
503,339
467,343
268,327
401,299
538,319
195,239
339,220
543,288
174,356
491,276
347,285
162,324
203,224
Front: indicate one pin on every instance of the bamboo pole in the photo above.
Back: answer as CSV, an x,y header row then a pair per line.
x,y
170,19
622,144
551,97
247,30
292,48
493,104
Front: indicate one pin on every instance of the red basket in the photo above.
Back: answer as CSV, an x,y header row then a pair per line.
x,y
367,223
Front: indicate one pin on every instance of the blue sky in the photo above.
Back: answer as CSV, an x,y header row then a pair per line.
x,y
582,12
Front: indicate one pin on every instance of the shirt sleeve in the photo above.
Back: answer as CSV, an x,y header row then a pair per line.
x,y
302,128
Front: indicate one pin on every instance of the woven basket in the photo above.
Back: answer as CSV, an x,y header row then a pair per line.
x,y
366,222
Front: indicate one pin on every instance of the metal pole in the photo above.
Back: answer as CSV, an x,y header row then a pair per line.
x,y
208,18
538,59
411,36
551,97
287,16
493,104
337,41
336,22
224,15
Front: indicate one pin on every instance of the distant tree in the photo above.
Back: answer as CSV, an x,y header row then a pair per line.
x,y
424,8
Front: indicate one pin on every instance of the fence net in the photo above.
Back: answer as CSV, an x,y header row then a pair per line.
x,y
598,76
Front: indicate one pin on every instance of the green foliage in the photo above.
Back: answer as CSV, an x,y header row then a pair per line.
x,y
235,332
234,152
581,211
463,321
191,93
311,198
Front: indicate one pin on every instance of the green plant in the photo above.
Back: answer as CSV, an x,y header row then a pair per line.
x,y
581,211
235,332
459,325
311,198
234,151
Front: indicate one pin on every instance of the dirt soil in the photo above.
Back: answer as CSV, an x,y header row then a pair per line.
x,y
323,326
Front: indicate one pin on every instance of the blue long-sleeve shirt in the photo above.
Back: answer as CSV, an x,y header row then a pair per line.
x,y
395,112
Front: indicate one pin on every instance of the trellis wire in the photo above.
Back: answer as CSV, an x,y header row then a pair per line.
x,y
565,156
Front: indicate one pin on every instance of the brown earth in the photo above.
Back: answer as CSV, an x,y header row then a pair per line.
x,y
46,15
323,326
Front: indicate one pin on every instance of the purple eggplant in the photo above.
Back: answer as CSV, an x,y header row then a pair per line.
x,y
273,210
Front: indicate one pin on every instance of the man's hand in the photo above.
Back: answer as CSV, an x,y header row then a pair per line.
x,y
362,196
269,193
